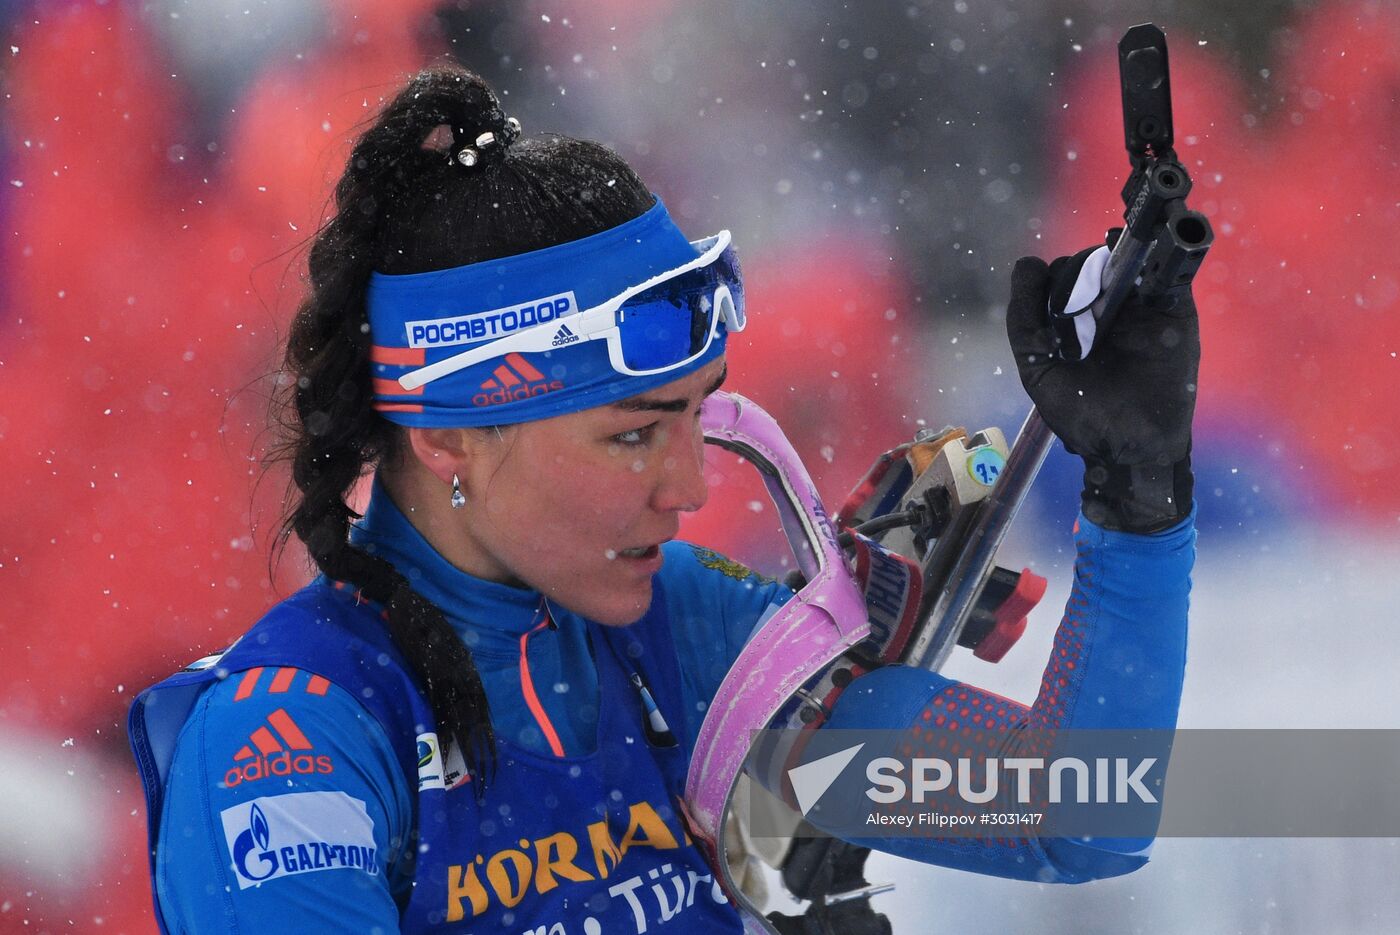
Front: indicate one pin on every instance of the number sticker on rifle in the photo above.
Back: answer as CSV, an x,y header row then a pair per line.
x,y
985,465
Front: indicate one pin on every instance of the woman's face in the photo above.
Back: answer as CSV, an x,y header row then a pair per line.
x,y
577,505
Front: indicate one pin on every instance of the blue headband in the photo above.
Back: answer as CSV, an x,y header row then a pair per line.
x,y
421,318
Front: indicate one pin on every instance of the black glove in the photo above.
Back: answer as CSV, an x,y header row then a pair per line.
x,y
1126,408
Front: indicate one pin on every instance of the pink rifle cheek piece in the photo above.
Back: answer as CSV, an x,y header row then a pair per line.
x,y
825,618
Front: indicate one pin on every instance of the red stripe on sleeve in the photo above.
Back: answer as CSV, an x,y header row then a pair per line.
x,y
282,681
317,685
249,683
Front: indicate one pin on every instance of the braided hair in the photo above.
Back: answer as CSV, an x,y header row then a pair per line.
x,y
406,205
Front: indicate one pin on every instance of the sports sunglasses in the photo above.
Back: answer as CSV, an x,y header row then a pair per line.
x,y
661,324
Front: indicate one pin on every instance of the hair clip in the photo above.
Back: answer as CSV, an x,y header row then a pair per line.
x,y
471,155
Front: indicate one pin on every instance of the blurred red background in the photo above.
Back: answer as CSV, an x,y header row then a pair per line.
x,y
147,283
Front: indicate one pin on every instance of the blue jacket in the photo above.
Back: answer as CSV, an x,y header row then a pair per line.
x,y
295,784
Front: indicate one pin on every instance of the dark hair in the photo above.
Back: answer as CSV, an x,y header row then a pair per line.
x,y
406,205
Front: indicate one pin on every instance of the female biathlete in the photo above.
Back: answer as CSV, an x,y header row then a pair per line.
x,y
454,728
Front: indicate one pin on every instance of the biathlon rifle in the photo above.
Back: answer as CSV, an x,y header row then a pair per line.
x,y
947,499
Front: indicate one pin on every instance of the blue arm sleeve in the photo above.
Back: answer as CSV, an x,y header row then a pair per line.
x,y
285,811
713,603
1118,661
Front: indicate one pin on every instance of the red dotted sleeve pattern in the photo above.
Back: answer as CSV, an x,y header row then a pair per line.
x,y
1121,643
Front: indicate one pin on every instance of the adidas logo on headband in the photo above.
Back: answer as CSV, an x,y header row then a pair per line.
x,y
563,336
514,379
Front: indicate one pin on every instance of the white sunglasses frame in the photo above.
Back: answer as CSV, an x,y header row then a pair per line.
x,y
592,324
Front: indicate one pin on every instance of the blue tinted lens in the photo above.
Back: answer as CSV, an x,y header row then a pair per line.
x,y
671,323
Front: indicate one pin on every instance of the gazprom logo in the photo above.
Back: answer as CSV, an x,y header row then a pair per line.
x,y
301,832
257,823
482,326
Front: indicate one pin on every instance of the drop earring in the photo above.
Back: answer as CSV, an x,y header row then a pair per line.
x,y
458,501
